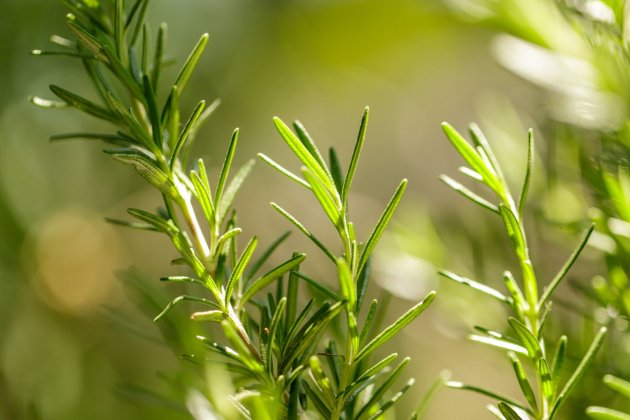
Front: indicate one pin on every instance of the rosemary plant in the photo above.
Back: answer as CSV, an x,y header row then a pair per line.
x,y
590,35
112,42
270,342
530,309
343,390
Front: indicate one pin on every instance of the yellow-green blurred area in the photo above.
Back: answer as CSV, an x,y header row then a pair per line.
x,y
73,340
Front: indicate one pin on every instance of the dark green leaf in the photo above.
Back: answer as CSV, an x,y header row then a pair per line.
x,y
305,231
225,169
186,131
381,225
82,104
384,387
394,328
237,273
354,160
319,287
528,172
190,63
509,413
523,382
255,266
566,267
579,371
335,170
272,275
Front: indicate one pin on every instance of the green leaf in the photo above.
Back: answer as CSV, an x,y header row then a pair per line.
x,y
314,396
139,21
380,391
476,286
508,412
523,382
487,393
212,316
83,104
182,279
369,376
181,299
46,103
273,330
602,413
181,140
308,142
283,170
157,58
107,138
225,169
527,338
72,54
160,224
618,384
369,321
566,267
558,360
306,337
203,193
513,228
499,343
325,200
457,187
394,328
237,273
133,225
381,225
545,376
268,278
227,198
346,282
472,157
362,283
579,371
87,40
354,160
518,300
119,27
154,118
335,170
305,231
255,266
322,381
132,123
122,74
241,348
148,169
393,400
528,172
319,287
305,156
190,63
437,385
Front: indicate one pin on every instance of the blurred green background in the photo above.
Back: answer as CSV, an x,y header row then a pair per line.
x,y
63,349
